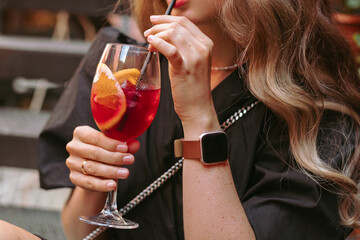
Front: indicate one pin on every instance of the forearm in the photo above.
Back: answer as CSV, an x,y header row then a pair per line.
x,y
212,208
9,231
81,203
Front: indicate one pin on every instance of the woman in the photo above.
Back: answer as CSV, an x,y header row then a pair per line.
x,y
293,165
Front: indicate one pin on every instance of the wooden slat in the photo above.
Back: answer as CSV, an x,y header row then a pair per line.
x,y
18,152
19,131
37,44
86,7
22,122
39,58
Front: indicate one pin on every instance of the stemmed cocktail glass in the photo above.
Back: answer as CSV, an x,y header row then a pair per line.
x,y
124,99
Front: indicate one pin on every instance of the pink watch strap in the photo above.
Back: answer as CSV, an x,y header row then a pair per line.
x,y
187,149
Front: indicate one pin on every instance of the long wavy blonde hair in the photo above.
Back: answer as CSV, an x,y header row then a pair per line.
x,y
299,65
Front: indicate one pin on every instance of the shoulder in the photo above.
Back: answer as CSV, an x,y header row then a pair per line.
x,y
104,36
111,34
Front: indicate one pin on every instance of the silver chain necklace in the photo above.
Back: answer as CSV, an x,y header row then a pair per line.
x,y
232,67
169,173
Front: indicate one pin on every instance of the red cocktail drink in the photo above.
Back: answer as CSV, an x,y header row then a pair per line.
x,y
121,109
124,101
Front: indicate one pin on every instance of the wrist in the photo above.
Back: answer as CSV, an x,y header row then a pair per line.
x,y
210,148
193,130
89,195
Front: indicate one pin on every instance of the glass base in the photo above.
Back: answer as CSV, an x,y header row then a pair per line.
x,y
109,220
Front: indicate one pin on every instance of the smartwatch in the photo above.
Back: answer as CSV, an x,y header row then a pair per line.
x,y
211,148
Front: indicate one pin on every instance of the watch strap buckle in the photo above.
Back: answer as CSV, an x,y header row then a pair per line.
x,y
178,149
187,149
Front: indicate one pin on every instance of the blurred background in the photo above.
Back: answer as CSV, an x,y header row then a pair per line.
x,y
41,44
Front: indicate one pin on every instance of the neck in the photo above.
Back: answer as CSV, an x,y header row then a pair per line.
x,y
224,53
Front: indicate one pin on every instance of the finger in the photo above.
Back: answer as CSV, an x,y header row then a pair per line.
x,y
180,22
181,39
156,30
182,53
133,146
92,183
91,136
161,28
167,49
178,35
160,19
194,49
96,169
93,152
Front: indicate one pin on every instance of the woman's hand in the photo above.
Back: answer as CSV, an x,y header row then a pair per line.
x,y
104,159
189,53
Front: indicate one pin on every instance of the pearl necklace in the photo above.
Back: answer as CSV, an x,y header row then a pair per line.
x,y
225,68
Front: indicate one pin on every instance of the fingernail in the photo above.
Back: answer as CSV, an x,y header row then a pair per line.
x,y
121,148
146,32
122,173
150,38
128,159
111,185
154,18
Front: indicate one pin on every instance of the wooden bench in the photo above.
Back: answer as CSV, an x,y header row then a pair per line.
x,y
34,57
40,57
19,130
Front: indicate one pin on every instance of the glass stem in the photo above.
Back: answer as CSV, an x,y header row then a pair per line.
x,y
111,202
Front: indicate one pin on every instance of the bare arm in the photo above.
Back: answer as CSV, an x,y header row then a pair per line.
x,y
105,158
212,208
9,231
81,203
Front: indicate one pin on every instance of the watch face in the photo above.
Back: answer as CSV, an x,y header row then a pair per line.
x,y
214,147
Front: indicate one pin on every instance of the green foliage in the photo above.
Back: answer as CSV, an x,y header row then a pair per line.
x,y
348,6
352,4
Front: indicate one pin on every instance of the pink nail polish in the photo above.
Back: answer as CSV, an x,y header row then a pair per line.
x,y
111,185
154,18
121,148
123,172
128,159
150,38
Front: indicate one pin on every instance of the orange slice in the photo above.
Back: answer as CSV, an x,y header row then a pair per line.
x,y
131,75
108,101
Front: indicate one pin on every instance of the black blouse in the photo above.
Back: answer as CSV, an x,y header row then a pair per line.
x,y
280,201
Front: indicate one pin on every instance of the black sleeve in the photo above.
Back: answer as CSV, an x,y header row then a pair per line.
x,y
72,109
284,203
